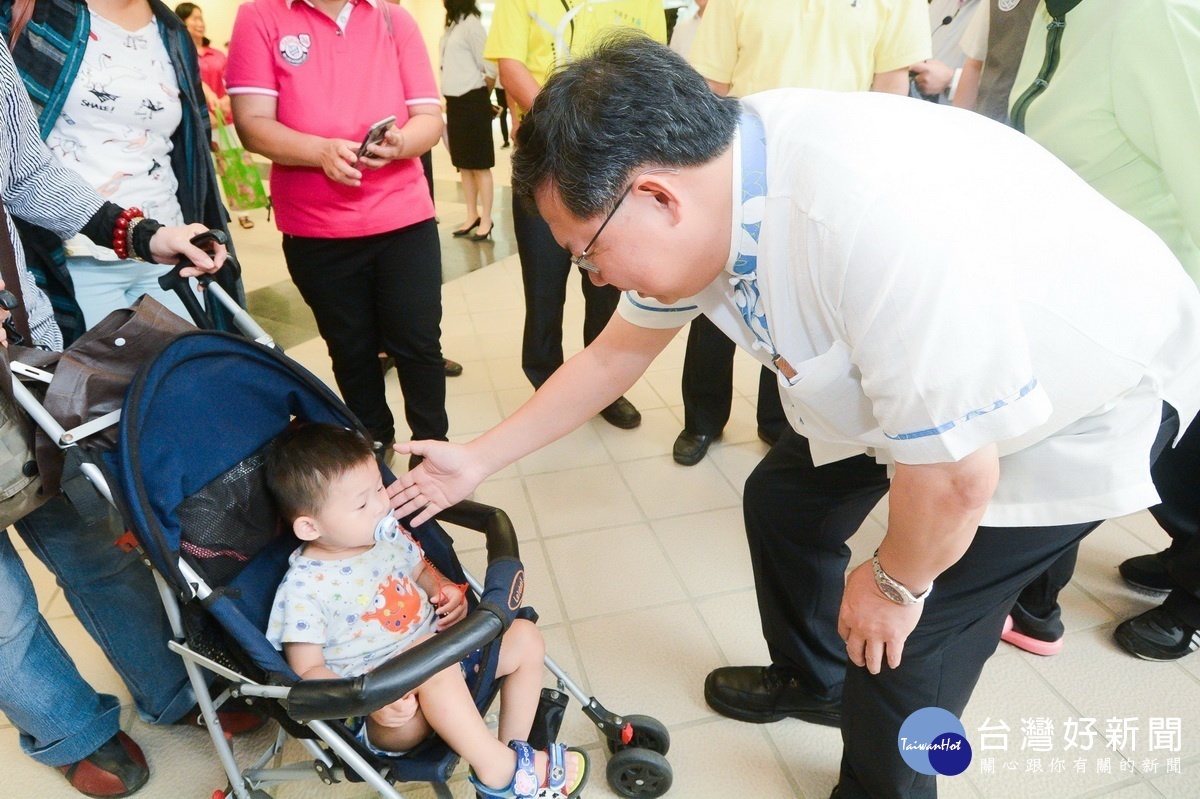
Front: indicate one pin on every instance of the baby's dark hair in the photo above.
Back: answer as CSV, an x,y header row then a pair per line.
x,y
304,459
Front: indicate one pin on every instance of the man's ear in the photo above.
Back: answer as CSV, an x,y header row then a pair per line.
x,y
664,188
305,528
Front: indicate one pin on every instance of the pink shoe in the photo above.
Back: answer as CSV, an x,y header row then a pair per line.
x,y
1034,646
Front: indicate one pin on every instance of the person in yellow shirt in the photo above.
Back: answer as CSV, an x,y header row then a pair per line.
x,y
530,39
749,46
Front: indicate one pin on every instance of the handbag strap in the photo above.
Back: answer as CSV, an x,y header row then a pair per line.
x,y
22,11
12,278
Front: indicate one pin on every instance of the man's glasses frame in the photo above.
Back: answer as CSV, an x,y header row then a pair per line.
x,y
584,259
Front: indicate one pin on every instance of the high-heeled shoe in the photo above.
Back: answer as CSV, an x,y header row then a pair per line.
x,y
483,236
458,234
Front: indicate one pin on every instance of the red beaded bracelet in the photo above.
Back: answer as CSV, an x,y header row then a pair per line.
x,y
120,241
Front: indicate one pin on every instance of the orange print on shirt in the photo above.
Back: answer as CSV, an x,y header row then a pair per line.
x,y
397,605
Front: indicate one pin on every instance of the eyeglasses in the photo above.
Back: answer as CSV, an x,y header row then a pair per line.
x,y
584,259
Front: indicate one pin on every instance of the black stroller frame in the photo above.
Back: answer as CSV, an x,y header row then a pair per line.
x,y
637,744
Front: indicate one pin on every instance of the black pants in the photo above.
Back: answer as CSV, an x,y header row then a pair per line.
x,y
373,294
544,270
1176,476
427,167
502,101
708,383
798,519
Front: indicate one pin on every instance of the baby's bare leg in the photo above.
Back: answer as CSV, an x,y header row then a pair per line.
x,y
398,739
447,706
522,652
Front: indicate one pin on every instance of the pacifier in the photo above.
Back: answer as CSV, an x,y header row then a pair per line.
x,y
388,529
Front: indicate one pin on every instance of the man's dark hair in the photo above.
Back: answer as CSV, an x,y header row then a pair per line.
x,y
459,9
631,104
304,459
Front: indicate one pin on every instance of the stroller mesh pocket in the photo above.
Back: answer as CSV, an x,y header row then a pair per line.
x,y
229,521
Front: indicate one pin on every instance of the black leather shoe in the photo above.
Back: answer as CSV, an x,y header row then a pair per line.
x,y
690,448
117,768
761,694
622,414
414,461
453,368
1147,573
1157,635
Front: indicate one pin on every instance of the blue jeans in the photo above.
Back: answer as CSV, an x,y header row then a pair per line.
x,y
102,287
60,718
115,597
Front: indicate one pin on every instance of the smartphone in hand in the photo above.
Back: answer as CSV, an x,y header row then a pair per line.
x,y
375,135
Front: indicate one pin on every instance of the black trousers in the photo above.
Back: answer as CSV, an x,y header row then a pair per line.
x,y
502,101
1176,476
708,383
373,294
544,270
798,519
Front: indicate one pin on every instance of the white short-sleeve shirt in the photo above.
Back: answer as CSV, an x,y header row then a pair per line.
x,y
1032,314
363,610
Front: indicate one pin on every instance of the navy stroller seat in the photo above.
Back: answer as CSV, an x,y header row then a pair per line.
x,y
188,466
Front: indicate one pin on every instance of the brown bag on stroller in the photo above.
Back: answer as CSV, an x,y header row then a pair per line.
x,y
91,377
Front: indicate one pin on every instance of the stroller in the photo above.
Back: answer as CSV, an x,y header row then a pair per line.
x,y
194,498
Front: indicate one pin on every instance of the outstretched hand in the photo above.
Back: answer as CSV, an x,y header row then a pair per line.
x,y
448,475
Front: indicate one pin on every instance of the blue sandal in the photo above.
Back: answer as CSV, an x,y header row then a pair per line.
x,y
555,786
524,783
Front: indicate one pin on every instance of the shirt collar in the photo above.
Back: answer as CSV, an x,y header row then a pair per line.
x,y
372,3
735,189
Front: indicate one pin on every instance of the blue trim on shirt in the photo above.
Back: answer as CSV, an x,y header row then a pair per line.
x,y
629,295
942,428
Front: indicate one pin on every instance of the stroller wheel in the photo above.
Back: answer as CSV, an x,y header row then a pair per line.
x,y
648,733
639,773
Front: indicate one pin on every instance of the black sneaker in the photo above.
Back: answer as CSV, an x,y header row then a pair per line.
x,y
1157,635
762,694
1147,573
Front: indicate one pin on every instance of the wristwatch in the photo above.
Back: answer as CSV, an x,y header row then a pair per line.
x,y
894,590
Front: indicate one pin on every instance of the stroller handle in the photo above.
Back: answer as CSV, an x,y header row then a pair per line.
x,y
175,282
310,700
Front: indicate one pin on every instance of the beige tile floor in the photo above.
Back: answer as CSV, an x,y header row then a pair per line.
x,y
639,570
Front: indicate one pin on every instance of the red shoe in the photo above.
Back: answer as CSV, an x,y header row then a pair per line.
x,y
117,768
1034,646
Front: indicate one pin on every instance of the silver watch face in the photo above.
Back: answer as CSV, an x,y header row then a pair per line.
x,y
892,593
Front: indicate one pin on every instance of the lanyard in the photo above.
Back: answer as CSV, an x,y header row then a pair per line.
x,y
745,266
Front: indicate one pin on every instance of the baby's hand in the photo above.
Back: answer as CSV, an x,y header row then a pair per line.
x,y
398,713
451,605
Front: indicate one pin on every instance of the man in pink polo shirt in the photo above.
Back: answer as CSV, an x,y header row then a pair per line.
x,y
308,79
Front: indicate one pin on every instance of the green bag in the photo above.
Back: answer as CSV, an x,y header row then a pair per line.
x,y
240,178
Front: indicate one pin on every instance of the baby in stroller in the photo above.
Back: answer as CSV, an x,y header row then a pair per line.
x,y
359,591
